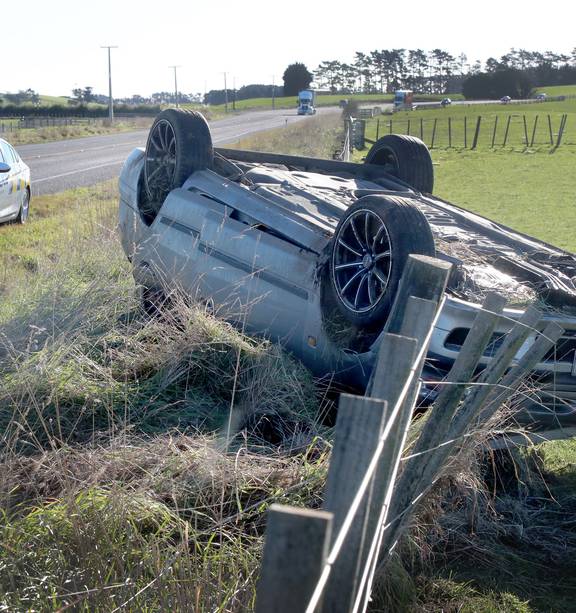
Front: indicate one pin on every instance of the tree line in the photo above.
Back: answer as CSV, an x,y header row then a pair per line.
x,y
437,71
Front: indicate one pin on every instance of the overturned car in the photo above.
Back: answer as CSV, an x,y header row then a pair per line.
x,y
309,252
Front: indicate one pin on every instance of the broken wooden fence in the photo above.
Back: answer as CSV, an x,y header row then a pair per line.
x,y
325,560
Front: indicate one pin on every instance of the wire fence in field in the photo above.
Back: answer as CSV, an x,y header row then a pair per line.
x,y
8,125
493,131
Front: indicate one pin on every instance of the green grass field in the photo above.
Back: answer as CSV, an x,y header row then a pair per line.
x,y
530,189
558,90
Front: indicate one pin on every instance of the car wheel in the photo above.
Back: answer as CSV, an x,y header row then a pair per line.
x,y
369,251
405,157
24,207
179,143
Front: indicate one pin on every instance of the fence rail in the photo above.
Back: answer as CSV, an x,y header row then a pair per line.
x,y
325,561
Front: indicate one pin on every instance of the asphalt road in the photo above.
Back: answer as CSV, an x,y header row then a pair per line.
x,y
84,161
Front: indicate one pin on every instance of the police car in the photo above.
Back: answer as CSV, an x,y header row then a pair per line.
x,y
14,185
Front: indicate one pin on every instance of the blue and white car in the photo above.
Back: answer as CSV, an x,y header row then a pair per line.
x,y
14,185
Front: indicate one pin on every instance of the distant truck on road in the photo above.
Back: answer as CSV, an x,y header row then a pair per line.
x,y
306,100
403,100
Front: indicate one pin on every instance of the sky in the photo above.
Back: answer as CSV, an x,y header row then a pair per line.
x,y
57,47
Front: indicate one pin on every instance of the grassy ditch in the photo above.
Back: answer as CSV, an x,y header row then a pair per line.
x,y
318,137
139,454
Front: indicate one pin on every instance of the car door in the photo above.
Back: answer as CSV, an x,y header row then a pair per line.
x,y
251,275
9,194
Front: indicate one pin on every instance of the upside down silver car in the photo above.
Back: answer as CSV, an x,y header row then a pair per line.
x,y
309,252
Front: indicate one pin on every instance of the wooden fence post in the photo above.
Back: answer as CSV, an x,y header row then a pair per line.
x,y
465,132
421,128
534,131
550,130
424,277
525,130
358,429
389,383
390,126
295,550
377,129
494,131
433,133
561,130
449,132
476,132
545,341
419,474
457,379
506,131
408,128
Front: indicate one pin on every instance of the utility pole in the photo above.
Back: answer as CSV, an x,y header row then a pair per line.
x,y
110,101
175,85
225,95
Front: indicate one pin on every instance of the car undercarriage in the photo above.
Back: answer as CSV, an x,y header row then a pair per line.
x,y
309,253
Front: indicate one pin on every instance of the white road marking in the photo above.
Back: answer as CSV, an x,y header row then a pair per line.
x,y
75,172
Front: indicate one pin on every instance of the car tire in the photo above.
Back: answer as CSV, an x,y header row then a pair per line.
x,y
405,157
24,211
179,143
368,255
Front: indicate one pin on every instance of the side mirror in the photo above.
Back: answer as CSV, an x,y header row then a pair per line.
x,y
4,167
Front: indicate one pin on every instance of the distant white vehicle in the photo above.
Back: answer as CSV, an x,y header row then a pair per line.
x,y
505,99
306,99
14,185
541,96
446,102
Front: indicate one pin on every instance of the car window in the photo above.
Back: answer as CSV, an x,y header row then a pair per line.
x,y
5,152
13,154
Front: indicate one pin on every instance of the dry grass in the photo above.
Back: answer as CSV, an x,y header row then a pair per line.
x,y
316,136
